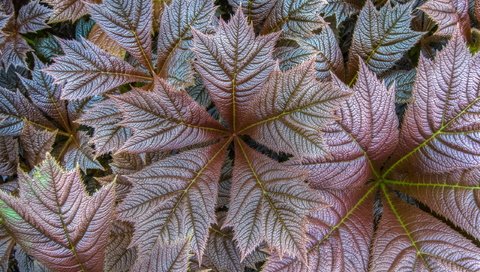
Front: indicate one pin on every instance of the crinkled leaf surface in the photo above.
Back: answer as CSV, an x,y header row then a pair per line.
x,y
56,222
365,135
382,37
255,10
174,198
448,14
86,70
66,10
234,65
9,155
164,119
32,16
292,108
79,152
170,257
118,256
35,143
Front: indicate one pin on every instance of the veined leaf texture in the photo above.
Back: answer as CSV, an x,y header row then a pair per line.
x,y
235,135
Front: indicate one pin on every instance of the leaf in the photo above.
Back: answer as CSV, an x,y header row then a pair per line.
x,y
269,202
233,64
79,153
56,222
294,18
118,256
382,37
108,135
403,82
363,138
255,10
171,257
339,237
86,70
176,23
14,50
14,110
8,155
329,57
291,110
48,47
180,73
448,15
6,246
129,23
198,92
341,9
32,16
440,130
36,143
46,95
173,198
101,39
27,263
164,119
410,239
66,10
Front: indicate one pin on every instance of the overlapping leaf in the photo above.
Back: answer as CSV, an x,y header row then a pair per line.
x,y
269,203
234,65
165,119
448,14
80,153
118,256
295,18
129,23
56,222
66,10
35,143
291,110
255,10
9,155
174,198
382,37
86,70
171,257
361,140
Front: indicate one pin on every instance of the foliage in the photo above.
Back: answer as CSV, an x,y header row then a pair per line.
x,y
184,135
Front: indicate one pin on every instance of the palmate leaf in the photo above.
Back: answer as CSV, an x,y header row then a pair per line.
x,y
56,222
165,119
174,198
108,135
295,18
269,202
233,64
255,10
441,129
381,37
292,108
365,135
86,70
129,23
176,23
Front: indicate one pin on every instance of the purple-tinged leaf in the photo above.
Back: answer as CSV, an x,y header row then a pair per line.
x,y
255,10
291,110
448,14
8,155
6,246
102,40
382,37
341,9
66,10
27,263
80,153
118,256
164,119
234,65
168,257
129,23
295,18
45,94
365,135
173,198
108,135
35,143
56,222
403,82
440,130
86,70
14,110
269,202
14,50
176,23
339,237
412,240
32,16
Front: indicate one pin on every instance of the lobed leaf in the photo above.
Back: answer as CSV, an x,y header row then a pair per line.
x,y
56,222
86,70
291,110
233,64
